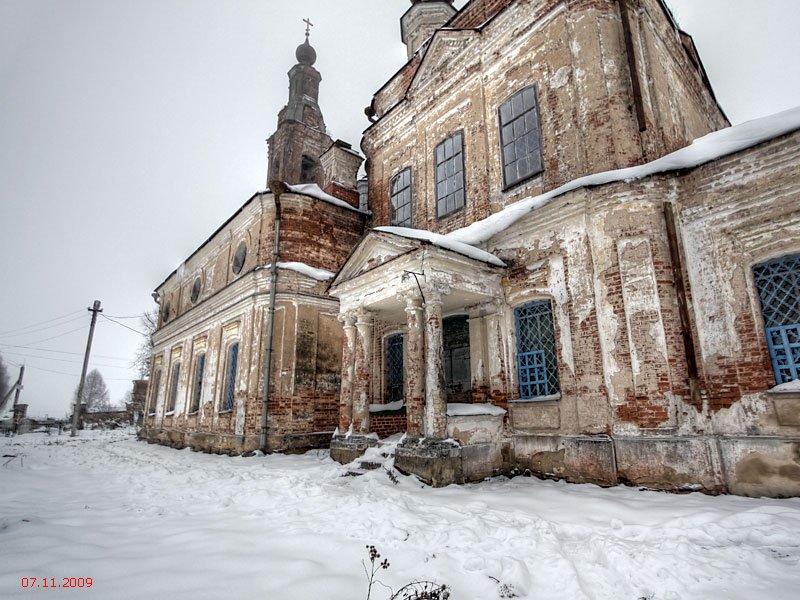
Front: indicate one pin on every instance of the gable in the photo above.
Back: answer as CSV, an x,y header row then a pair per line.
x,y
374,250
444,55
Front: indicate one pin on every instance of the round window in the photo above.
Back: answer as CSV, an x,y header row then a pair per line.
x,y
239,258
196,290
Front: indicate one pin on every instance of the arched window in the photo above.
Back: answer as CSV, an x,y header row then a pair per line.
x,y
173,386
308,169
197,383
229,387
400,196
154,392
778,284
449,158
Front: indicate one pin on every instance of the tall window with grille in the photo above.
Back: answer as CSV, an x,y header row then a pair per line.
x,y
394,367
537,362
173,386
520,136
229,388
401,198
778,284
197,383
450,175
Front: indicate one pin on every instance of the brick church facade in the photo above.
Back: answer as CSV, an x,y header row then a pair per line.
x,y
571,265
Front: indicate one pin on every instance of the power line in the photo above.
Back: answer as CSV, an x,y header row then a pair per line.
x,y
64,360
8,335
62,351
42,322
125,326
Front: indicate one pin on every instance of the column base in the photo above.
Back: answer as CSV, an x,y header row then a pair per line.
x,y
436,462
345,449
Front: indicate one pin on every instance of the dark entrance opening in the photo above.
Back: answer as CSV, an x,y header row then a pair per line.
x,y
457,376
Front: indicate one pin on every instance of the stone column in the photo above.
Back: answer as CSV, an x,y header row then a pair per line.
x,y
478,356
435,401
362,372
414,367
348,321
497,365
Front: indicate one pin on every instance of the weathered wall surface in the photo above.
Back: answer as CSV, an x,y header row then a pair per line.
x,y
233,308
574,52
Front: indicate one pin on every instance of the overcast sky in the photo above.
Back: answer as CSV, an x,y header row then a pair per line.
x,y
131,129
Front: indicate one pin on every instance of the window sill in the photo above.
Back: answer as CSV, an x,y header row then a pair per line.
x,y
551,398
193,413
225,412
169,414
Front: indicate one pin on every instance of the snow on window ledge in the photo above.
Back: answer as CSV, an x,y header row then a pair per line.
x,y
790,387
169,413
549,398
225,412
396,405
457,409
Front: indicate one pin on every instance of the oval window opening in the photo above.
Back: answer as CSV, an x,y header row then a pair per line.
x,y
196,290
239,258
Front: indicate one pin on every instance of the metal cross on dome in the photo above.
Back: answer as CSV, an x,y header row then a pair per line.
x,y
309,25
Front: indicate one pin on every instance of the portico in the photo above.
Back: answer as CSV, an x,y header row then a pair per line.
x,y
408,283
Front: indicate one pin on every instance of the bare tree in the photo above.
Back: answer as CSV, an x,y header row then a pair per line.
x,y
4,379
95,393
144,354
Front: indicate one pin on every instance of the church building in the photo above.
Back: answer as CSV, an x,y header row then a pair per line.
x,y
566,263
576,268
247,351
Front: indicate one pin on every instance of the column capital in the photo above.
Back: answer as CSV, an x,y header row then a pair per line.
x,y
364,317
347,319
434,292
411,298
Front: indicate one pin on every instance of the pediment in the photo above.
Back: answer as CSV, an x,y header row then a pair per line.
x,y
444,49
375,249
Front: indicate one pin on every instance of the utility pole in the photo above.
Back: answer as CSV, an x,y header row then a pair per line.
x,y
16,398
77,410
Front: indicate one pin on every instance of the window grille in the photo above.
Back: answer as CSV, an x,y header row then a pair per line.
x,y
450,175
778,284
394,368
401,198
173,386
520,136
537,362
197,388
230,378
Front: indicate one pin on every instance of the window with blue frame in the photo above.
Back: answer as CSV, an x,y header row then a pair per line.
x,y
778,284
394,367
229,389
537,363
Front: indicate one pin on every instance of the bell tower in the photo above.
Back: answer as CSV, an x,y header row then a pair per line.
x,y
301,136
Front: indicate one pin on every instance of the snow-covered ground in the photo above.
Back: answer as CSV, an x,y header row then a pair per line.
x,y
146,521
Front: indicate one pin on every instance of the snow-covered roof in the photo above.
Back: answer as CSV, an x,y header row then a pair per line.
x,y
790,387
313,190
446,242
702,150
303,268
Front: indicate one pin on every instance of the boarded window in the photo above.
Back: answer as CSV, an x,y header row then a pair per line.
x,y
229,389
450,175
520,136
394,368
197,384
173,386
537,363
401,198
778,283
